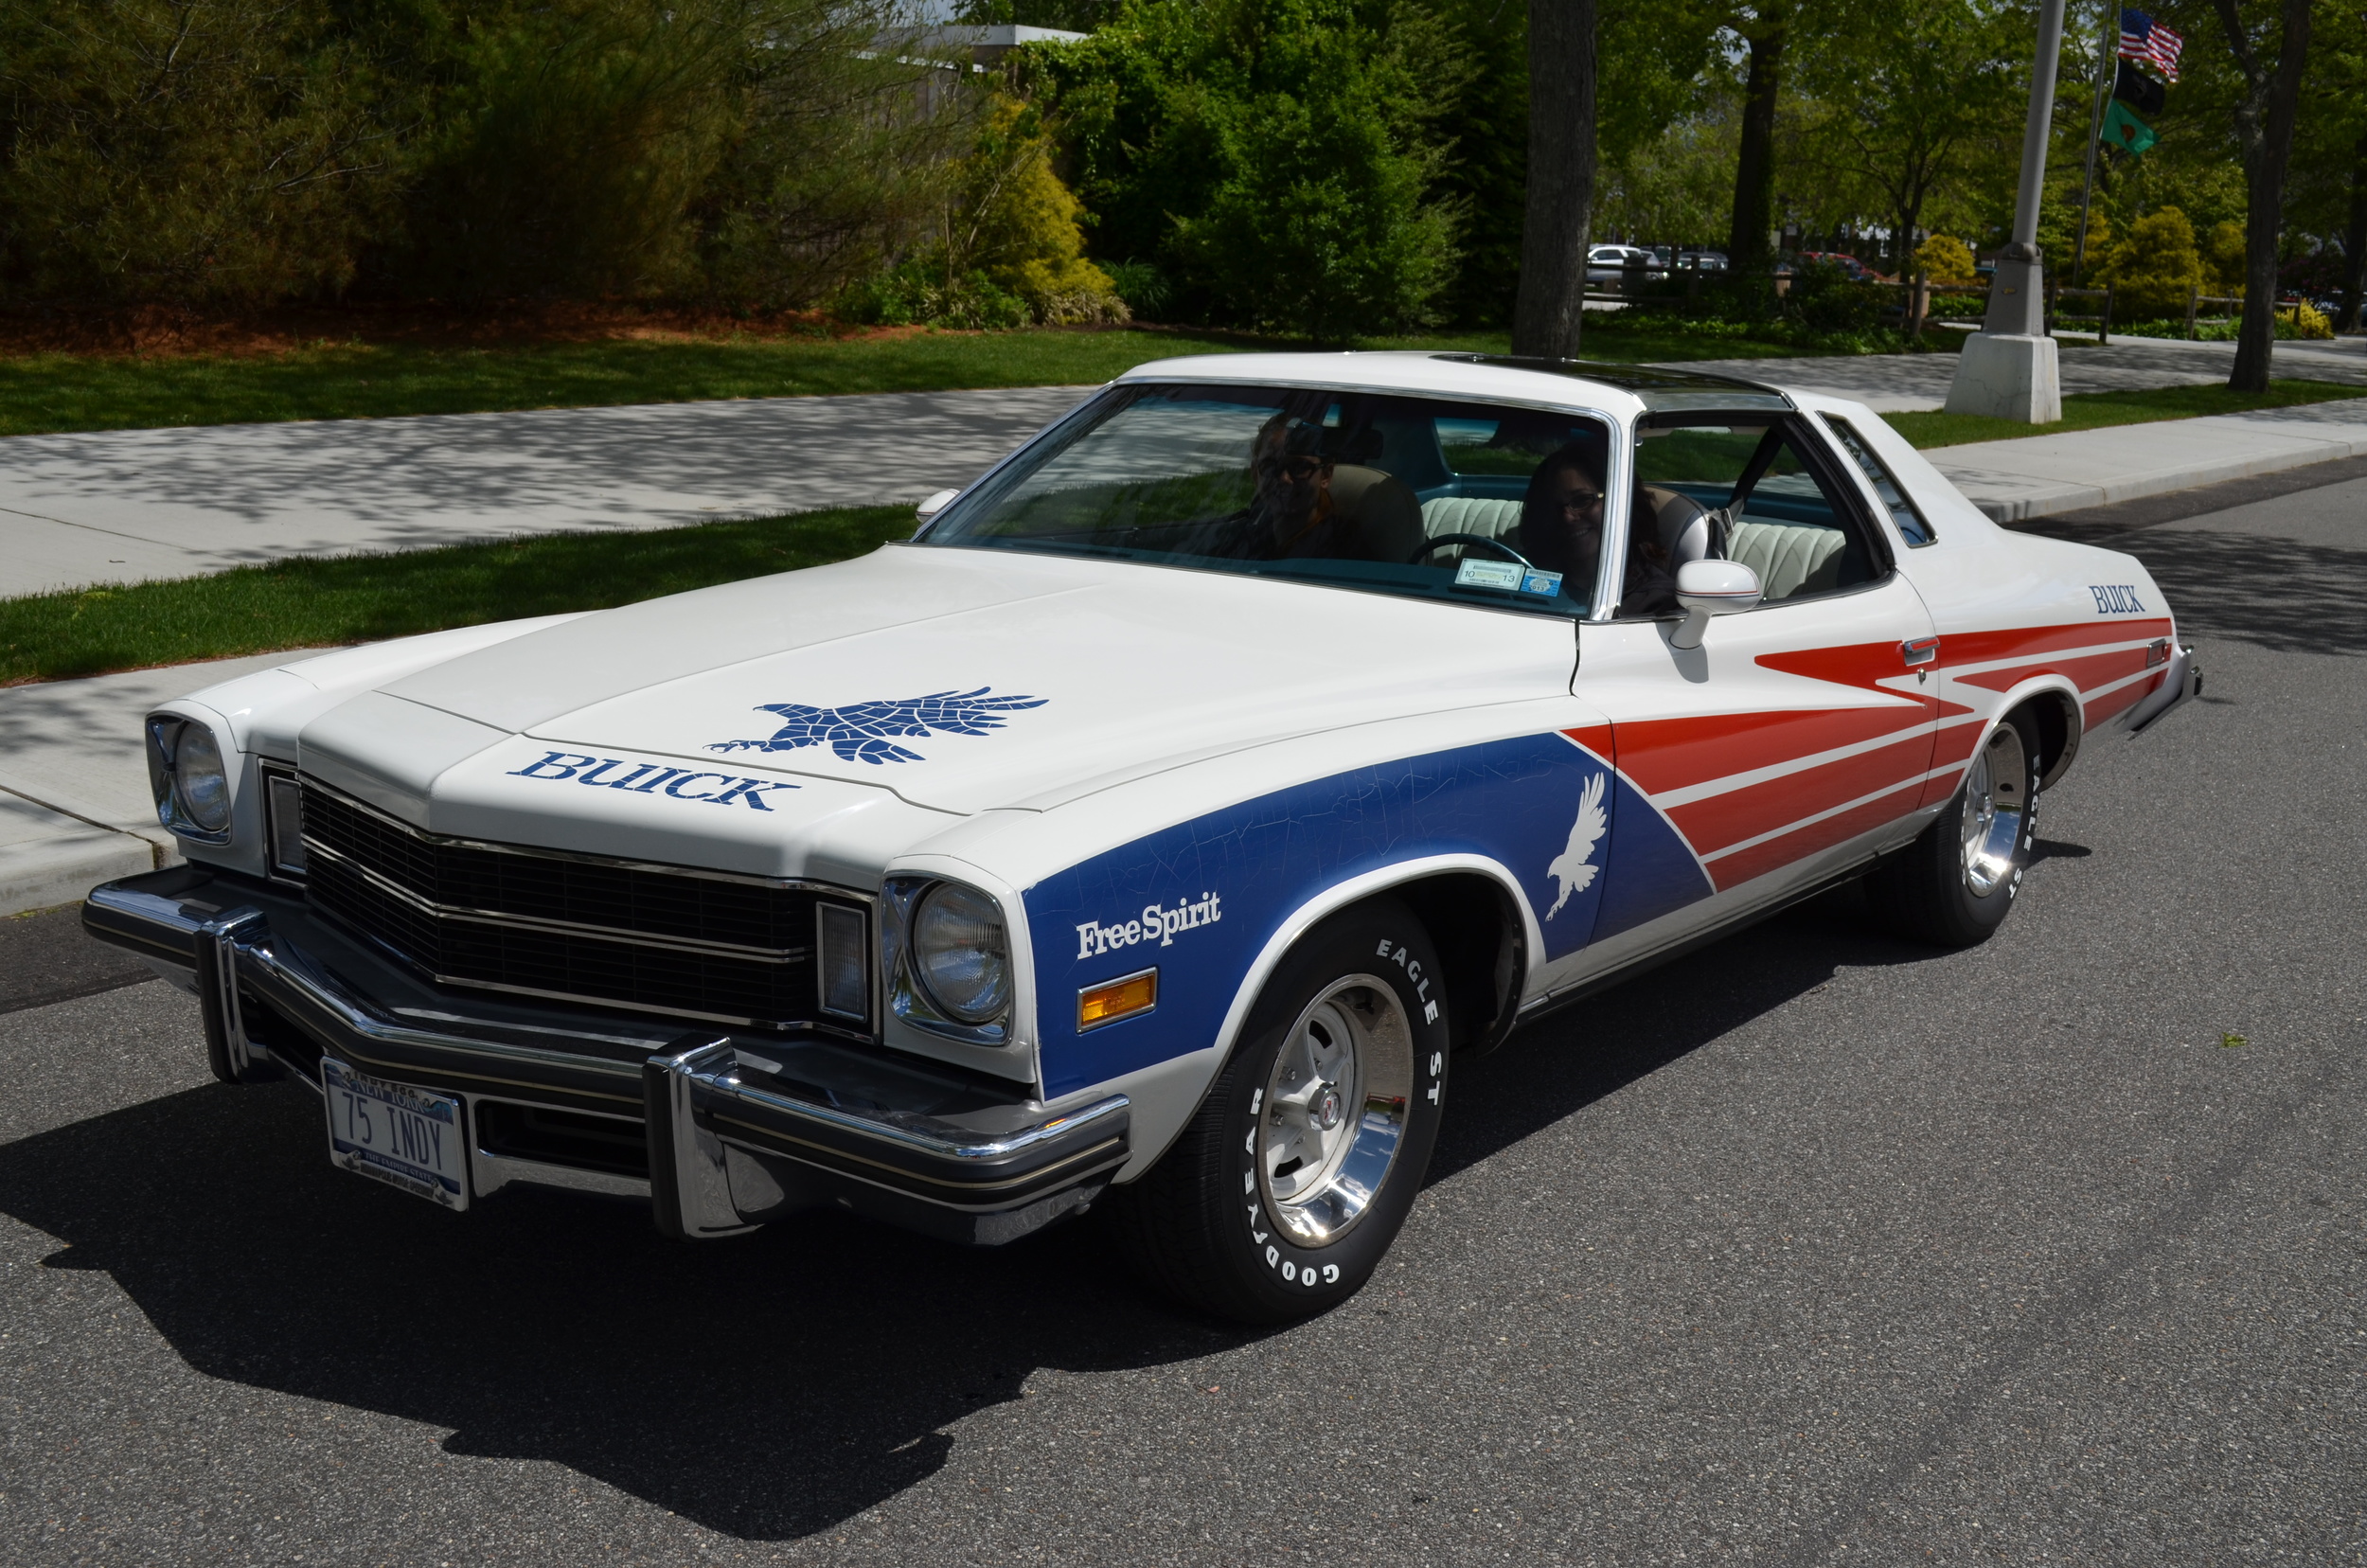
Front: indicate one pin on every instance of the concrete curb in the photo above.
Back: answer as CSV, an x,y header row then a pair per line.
x,y
57,859
2011,481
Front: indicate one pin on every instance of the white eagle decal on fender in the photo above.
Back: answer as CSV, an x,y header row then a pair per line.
x,y
1569,869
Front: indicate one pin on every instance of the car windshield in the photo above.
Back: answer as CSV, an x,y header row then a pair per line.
x,y
1425,497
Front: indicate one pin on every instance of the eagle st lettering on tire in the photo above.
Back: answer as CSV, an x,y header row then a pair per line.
x,y
1285,1190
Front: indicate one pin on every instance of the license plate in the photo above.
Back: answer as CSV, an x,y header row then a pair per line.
x,y
404,1137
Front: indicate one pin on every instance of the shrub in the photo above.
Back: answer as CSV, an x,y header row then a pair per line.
x,y
1272,156
1142,285
1824,299
236,152
2155,267
920,293
155,152
2223,259
1015,223
1946,260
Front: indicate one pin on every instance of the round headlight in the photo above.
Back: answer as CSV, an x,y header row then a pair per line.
x,y
198,780
960,953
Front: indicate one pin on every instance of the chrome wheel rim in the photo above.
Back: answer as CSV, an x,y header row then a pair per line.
x,y
1995,802
1333,1111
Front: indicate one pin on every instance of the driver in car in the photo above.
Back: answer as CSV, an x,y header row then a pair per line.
x,y
1561,530
1292,512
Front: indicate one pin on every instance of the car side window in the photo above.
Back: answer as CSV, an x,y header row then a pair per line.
x,y
1751,489
1912,526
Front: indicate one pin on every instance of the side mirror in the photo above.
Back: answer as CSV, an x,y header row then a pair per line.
x,y
933,505
1706,588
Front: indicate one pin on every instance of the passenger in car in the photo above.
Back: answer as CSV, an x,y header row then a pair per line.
x,y
1561,530
1305,504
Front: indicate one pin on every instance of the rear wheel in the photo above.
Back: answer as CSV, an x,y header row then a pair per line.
x,y
1282,1195
1955,884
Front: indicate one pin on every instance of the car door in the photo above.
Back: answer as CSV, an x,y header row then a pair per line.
x,y
1798,737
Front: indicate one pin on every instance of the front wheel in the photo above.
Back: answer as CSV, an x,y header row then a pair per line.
x,y
1955,884
1282,1195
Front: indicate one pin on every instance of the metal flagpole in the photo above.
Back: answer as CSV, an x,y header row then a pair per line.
x,y
2095,130
2007,369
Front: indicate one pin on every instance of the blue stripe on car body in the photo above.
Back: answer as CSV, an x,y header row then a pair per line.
x,y
1202,899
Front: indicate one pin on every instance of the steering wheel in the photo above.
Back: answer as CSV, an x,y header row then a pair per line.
x,y
1444,539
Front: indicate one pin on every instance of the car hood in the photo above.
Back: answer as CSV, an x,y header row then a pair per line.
x,y
962,680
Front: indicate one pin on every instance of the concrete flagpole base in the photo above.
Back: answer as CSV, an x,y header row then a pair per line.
x,y
2007,376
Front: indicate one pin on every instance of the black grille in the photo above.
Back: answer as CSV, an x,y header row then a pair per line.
x,y
462,913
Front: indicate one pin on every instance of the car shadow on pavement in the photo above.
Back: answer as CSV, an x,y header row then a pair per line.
x,y
2287,596
767,1387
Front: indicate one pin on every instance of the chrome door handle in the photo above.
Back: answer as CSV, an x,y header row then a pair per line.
x,y
1921,650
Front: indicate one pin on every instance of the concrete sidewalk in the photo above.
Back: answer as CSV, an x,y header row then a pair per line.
x,y
127,506
74,803
130,505
1906,383
2038,475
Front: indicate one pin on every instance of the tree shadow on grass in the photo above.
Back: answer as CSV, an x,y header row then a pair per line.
x,y
769,1387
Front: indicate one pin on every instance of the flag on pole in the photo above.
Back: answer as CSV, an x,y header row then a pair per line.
x,y
2125,130
2138,90
2148,41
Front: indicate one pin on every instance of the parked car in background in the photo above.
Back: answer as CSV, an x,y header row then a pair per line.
x,y
1609,264
1150,832
1703,261
1858,271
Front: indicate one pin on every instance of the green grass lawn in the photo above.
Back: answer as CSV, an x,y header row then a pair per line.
x,y
320,603
2097,410
41,393
45,393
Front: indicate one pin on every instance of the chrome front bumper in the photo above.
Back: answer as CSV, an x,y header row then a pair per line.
x,y
720,1132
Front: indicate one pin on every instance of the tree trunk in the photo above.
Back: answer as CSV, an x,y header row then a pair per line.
x,y
2264,128
1755,171
2355,242
1551,307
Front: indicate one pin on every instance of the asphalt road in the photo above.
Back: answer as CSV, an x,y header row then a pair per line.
x,y
1814,1248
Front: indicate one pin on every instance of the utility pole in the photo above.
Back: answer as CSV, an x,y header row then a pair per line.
x,y
2007,369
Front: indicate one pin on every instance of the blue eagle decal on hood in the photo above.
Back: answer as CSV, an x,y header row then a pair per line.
x,y
860,733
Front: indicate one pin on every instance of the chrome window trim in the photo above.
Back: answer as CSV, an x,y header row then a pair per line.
x,y
1866,465
1615,426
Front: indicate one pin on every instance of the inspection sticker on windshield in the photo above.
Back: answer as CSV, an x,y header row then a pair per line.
x,y
1547,583
402,1136
1478,573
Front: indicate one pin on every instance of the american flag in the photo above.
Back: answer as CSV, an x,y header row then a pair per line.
x,y
2145,40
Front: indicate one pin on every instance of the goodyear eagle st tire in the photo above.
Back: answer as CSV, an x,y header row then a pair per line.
x,y
1284,1190
1956,883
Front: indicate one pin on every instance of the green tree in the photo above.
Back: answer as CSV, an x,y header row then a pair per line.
x,y
2153,267
1279,161
188,151
1905,101
1946,259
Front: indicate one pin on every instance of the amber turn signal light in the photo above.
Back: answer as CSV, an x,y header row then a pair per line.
x,y
1100,1005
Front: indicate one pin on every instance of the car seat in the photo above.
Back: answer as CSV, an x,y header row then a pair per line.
x,y
1387,515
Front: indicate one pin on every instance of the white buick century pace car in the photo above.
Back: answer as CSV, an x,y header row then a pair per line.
x,y
1154,827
